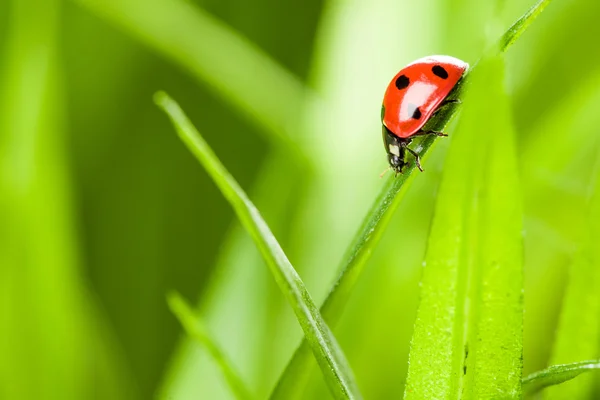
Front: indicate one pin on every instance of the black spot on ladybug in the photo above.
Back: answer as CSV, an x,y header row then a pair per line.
x,y
402,82
438,70
416,114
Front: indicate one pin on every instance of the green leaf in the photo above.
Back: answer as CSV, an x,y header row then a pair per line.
x,y
557,374
196,329
469,322
329,356
294,376
210,50
579,324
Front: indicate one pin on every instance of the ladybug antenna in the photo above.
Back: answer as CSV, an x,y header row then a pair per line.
x,y
384,172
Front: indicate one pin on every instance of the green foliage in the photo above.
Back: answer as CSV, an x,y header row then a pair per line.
x,y
557,374
324,346
172,28
468,329
197,330
103,211
374,224
522,23
45,313
294,377
579,327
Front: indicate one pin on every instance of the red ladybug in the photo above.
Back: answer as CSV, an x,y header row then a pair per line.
x,y
412,97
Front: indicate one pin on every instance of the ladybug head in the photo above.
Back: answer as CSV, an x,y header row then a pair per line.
x,y
396,163
395,148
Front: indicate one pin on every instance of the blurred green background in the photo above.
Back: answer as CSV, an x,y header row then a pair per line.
x,y
103,210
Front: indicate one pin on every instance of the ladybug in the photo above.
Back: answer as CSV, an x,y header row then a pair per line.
x,y
417,92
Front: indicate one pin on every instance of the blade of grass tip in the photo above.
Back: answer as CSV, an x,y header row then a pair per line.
x,y
472,279
556,374
579,324
236,69
517,29
196,330
329,356
293,377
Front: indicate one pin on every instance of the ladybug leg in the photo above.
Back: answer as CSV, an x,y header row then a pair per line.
x,y
445,104
451,101
425,133
435,133
417,158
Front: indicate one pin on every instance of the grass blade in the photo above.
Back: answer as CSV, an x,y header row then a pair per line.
x,y
196,330
324,345
521,25
225,295
495,337
47,337
374,224
579,324
557,374
469,323
210,50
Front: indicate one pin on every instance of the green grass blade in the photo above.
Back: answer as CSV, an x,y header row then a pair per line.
x,y
211,51
495,339
375,222
557,374
469,323
521,25
239,261
579,324
552,172
436,347
46,334
333,364
196,330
